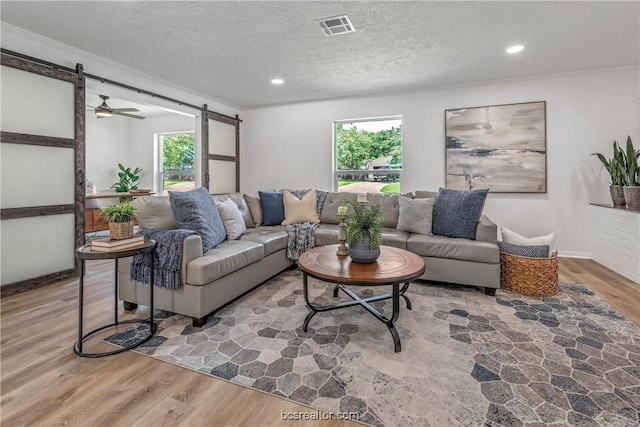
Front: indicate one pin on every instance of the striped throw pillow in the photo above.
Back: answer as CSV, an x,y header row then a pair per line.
x,y
415,215
232,219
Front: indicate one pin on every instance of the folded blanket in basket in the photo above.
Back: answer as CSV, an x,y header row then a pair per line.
x,y
168,256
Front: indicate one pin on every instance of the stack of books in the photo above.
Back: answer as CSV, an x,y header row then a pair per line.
x,y
107,245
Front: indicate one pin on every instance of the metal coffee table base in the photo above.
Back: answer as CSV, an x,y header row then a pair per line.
x,y
395,295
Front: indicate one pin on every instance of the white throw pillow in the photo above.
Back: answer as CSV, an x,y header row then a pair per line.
x,y
300,210
509,236
232,219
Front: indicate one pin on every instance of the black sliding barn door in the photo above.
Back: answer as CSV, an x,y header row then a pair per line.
x,y
221,152
42,173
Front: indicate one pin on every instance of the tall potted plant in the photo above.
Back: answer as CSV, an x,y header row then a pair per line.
x,y
120,219
616,168
364,231
632,176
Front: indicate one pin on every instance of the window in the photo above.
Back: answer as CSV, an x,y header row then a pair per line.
x,y
368,155
176,161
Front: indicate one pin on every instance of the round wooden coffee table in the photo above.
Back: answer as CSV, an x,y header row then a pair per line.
x,y
395,266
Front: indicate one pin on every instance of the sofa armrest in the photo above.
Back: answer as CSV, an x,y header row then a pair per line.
x,y
191,249
486,230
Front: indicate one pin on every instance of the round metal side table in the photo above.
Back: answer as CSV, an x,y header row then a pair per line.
x,y
84,253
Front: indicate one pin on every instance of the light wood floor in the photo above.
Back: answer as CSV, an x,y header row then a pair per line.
x,y
43,383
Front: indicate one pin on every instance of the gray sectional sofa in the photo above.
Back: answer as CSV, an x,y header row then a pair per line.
x,y
212,279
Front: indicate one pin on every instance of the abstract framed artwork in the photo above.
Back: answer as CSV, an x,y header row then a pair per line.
x,y
499,147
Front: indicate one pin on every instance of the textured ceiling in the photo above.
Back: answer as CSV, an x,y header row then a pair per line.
x,y
231,50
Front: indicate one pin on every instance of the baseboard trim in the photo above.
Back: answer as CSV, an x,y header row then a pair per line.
x,y
574,254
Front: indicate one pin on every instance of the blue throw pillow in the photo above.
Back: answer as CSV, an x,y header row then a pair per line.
x,y
541,251
456,213
272,208
195,210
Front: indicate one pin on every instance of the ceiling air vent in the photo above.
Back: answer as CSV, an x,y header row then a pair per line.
x,y
336,25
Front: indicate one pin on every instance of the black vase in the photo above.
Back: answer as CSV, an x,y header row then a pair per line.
x,y
361,251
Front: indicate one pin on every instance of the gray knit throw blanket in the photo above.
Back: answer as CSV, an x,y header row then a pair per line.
x,y
303,236
167,260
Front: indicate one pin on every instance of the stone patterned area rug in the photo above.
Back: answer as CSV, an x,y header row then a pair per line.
x,y
467,359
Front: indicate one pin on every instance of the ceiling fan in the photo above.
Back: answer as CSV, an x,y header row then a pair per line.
x,y
103,110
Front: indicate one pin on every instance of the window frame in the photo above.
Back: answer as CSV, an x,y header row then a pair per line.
x,y
158,179
337,172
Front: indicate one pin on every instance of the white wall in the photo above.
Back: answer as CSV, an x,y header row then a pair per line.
x,y
142,142
107,144
131,142
291,145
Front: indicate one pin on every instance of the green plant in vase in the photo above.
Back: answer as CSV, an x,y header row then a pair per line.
x,y
122,212
127,179
363,230
120,217
616,168
632,176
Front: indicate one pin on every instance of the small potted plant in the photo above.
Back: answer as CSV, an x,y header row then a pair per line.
x,y
120,219
616,168
127,179
632,176
364,231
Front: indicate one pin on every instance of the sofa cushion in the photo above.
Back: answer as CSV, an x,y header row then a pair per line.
x,y
195,210
388,203
453,248
240,201
227,257
300,210
390,207
234,224
331,204
272,208
456,213
415,215
272,238
486,230
327,234
254,207
395,238
155,212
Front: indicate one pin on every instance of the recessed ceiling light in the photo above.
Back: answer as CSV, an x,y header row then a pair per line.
x,y
277,81
515,49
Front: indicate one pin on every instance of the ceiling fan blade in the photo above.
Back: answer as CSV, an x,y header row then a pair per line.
x,y
124,110
132,116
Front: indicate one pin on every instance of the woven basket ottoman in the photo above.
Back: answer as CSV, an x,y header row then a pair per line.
x,y
529,276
